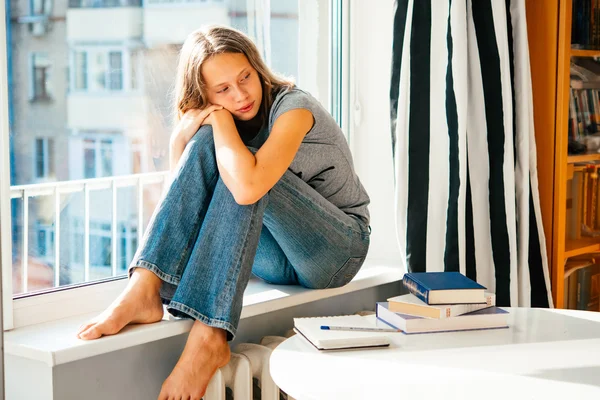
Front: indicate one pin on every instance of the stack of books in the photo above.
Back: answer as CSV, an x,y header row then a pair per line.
x,y
440,302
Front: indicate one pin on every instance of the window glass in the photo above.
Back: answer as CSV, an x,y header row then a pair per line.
x,y
41,76
108,69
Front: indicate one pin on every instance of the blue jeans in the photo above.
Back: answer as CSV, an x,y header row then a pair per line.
x,y
203,245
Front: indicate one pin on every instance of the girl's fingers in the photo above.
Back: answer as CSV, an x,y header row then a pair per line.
x,y
207,111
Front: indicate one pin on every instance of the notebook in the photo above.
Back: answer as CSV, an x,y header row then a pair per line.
x,y
310,329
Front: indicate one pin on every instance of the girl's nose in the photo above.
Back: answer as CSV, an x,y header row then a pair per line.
x,y
241,94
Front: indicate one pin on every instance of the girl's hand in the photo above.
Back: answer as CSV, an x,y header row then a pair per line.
x,y
216,114
192,120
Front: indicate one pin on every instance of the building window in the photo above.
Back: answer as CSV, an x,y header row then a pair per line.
x,y
135,67
39,7
115,71
45,241
97,157
40,77
101,244
98,70
89,158
80,69
44,158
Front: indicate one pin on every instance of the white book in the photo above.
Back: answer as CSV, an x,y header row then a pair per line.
x,y
322,339
411,305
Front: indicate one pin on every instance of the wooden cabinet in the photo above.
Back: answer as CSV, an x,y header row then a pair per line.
x,y
549,31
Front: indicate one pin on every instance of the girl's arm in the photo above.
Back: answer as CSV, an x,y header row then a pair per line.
x,y
249,177
176,147
186,128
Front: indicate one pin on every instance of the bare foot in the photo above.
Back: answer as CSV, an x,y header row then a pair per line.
x,y
206,351
139,303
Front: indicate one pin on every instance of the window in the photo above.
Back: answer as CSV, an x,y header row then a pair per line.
x,y
112,109
115,72
40,7
97,157
44,158
100,245
40,77
45,241
104,67
135,69
80,68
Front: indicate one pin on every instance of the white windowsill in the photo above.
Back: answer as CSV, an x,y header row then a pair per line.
x,y
54,342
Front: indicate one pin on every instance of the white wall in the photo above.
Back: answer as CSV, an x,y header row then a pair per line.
x,y
371,52
104,24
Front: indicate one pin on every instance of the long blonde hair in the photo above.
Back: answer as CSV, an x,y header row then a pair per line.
x,y
199,46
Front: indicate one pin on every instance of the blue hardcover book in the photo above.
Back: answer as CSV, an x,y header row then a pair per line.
x,y
444,288
487,318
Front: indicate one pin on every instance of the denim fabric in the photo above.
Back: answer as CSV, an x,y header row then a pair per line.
x,y
204,246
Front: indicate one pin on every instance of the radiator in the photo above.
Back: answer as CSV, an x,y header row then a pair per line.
x,y
249,363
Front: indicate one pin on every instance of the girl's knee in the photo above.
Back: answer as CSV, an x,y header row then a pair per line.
x,y
203,137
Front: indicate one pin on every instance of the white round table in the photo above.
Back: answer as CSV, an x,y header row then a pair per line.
x,y
544,354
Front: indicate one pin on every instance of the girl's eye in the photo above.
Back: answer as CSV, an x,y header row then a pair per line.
x,y
247,76
222,90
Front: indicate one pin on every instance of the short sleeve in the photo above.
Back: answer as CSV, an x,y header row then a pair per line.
x,y
290,100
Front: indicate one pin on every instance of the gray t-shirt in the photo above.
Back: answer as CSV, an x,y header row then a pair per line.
x,y
324,160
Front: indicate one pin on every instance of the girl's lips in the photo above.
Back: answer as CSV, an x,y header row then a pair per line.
x,y
247,108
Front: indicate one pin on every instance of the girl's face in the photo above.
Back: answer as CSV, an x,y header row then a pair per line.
x,y
232,83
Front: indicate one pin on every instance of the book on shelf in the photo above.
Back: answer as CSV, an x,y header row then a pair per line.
x,y
444,287
310,329
583,202
487,318
412,305
582,283
585,32
571,297
587,288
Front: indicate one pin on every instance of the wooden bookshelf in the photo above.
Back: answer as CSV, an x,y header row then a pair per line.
x,y
574,248
580,158
584,53
549,28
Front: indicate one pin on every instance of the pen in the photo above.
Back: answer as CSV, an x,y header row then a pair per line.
x,y
356,328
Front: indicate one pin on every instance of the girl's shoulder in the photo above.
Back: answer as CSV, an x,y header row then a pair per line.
x,y
288,93
286,99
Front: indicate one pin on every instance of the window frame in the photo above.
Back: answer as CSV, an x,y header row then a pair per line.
x,y
91,297
5,213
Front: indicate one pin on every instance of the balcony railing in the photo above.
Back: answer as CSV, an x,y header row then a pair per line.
x,y
85,186
104,3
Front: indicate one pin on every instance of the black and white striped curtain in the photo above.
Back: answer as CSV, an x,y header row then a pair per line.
x,y
464,147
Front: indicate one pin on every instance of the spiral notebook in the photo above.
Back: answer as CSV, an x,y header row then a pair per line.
x,y
310,329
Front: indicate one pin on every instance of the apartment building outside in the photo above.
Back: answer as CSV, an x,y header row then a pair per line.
x,y
91,98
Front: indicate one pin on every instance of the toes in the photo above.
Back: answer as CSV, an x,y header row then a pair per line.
x,y
91,333
84,327
163,395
